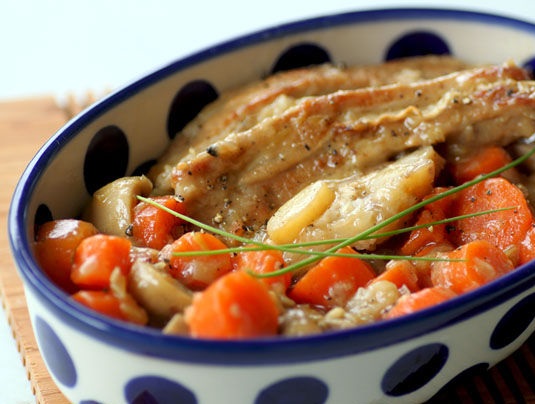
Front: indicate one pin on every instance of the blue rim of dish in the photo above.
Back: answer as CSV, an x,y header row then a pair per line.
x,y
262,351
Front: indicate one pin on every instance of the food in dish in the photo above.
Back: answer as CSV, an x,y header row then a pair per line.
x,y
322,198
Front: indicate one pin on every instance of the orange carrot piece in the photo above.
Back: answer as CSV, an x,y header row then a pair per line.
x,y
436,234
416,301
526,248
55,243
153,227
235,306
482,263
332,281
263,262
200,271
400,273
96,257
481,162
504,228
105,302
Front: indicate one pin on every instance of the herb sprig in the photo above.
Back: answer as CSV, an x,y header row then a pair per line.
x,y
336,244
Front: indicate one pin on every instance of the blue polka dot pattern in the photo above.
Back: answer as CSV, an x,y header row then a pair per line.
x,y
90,402
414,369
301,55
144,168
296,390
513,323
42,215
157,390
57,358
418,43
529,65
188,102
106,158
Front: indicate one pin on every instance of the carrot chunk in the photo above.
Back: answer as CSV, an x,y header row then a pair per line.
x,y
108,304
199,271
433,234
54,248
479,163
526,248
416,301
503,228
235,306
478,262
152,226
95,259
332,281
401,273
263,262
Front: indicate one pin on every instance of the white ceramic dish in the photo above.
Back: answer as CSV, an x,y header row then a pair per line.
x,y
97,360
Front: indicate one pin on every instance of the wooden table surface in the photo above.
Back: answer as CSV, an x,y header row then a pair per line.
x,y
25,125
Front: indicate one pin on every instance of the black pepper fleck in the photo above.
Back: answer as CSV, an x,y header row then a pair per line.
x,y
212,151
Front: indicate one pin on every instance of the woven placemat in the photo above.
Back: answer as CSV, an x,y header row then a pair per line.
x,y
26,124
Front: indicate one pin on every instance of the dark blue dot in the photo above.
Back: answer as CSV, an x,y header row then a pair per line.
x,y
513,323
414,369
419,43
295,390
90,402
157,390
188,102
42,215
301,55
57,358
529,65
143,168
106,158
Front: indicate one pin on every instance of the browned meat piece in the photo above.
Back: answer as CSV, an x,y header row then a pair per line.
x,y
241,109
243,178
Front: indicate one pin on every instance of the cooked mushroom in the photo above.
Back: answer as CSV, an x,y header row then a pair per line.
x,y
159,293
110,210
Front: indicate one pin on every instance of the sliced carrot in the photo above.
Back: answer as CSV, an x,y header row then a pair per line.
x,y
416,301
96,257
199,271
55,243
401,273
263,262
154,227
235,306
105,302
481,263
503,228
332,281
526,248
481,162
433,234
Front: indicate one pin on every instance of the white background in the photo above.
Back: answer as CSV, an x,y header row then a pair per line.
x,y
63,47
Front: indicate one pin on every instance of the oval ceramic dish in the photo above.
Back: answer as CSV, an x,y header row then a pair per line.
x,y
98,360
